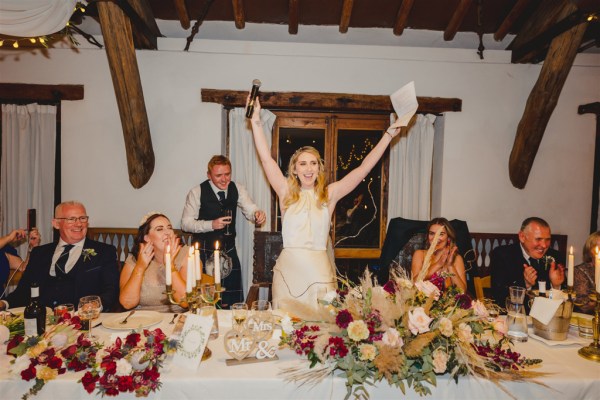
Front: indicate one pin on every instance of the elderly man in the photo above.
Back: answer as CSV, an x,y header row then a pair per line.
x,y
527,262
71,268
205,215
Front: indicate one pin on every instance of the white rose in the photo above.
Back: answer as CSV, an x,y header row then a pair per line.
x,y
391,337
286,324
59,340
418,321
19,364
428,289
446,327
404,283
123,367
464,333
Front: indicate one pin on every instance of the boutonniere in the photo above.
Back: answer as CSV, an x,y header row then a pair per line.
x,y
88,254
548,260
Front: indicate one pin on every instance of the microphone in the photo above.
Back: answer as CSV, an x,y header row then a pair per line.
x,y
250,109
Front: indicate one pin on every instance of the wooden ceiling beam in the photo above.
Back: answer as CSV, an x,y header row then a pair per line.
x,y
293,16
457,19
327,101
120,51
346,15
20,92
182,12
144,28
238,13
541,103
402,16
515,13
542,19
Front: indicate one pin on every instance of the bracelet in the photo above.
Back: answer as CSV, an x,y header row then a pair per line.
x,y
391,137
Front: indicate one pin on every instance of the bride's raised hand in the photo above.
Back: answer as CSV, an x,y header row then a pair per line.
x,y
393,132
256,111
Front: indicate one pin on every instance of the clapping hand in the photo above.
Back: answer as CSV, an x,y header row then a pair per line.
x,y
530,275
146,253
259,217
556,274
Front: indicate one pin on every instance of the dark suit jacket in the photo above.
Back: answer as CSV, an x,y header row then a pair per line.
x,y
506,264
92,275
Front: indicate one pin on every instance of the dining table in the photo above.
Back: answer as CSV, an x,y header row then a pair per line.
x,y
567,375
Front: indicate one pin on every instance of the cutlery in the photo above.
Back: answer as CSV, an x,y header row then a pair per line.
x,y
173,320
128,315
97,325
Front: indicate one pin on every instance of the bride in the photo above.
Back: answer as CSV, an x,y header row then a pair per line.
x,y
307,202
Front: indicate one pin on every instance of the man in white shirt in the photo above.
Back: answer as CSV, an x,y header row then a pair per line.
x,y
210,214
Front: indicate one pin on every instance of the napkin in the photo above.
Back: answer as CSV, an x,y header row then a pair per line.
x,y
543,309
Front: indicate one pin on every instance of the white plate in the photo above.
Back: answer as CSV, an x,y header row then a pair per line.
x,y
21,310
141,319
572,339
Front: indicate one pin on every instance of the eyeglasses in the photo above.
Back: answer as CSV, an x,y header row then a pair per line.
x,y
71,220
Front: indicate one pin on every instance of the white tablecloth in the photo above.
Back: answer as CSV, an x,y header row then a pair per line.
x,y
571,377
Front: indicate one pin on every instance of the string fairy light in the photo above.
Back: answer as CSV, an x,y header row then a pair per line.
x,y
79,7
354,155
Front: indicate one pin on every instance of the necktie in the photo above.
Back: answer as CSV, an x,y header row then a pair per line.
x,y
221,196
62,261
534,263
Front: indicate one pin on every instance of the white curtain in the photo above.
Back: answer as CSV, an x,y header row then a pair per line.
x,y
411,158
247,171
28,153
27,18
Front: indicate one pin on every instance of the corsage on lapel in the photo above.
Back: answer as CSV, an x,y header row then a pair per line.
x,y
88,254
548,260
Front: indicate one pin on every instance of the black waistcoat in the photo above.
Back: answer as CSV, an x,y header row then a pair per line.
x,y
211,208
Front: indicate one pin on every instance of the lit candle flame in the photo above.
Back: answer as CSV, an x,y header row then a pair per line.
x,y
217,246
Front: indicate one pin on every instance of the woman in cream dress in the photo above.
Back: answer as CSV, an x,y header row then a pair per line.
x,y
305,266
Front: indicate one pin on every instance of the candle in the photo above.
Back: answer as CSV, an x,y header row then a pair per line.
x,y
217,271
570,267
197,262
192,266
190,272
168,264
597,270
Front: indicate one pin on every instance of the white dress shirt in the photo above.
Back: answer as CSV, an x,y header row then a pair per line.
x,y
189,221
74,255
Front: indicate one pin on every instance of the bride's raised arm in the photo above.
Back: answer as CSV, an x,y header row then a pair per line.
x,y
274,175
339,189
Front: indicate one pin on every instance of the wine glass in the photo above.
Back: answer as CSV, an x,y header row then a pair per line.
x,y
89,309
240,313
228,214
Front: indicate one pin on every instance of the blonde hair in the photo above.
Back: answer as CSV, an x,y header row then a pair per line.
x,y
294,182
590,246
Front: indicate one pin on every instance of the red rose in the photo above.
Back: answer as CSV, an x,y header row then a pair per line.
x,y
55,363
151,374
132,339
29,373
111,392
89,382
69,351
109,366
125,383
343,319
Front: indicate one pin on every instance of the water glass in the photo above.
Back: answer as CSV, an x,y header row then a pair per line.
x,y
209,310
239,312
586,329
517,294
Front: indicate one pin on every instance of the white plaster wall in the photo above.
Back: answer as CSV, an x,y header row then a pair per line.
x,y
187,132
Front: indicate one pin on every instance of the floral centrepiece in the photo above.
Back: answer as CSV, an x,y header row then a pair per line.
x,y
130,365
60,349
405,333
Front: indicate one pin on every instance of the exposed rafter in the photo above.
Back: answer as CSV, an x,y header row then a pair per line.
x,y
515,13
346,15
457,19
327,101
45,93
541,103
238,13
402,16
182,13
293,16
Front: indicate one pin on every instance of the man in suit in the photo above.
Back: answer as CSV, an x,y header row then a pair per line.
x,y
71,268
204,215
527,262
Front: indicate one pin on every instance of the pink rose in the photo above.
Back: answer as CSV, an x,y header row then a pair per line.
x,y
499,325
440,360
479,309
391,337
418,321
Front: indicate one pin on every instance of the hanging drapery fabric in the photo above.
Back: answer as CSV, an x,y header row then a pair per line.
x,y
28,157
28,18
411,158
247,171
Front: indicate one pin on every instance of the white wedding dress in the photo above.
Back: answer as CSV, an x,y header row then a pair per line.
x,y
304,268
